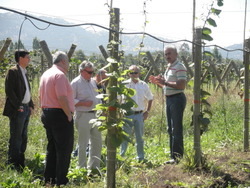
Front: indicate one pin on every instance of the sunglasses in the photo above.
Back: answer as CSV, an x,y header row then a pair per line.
x,y
134,72
89,72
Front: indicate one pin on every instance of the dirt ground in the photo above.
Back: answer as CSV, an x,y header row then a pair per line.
x,y
230,170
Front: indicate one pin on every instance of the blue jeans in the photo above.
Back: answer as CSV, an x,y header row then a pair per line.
x,y
175,108
18,137
60,135
138,124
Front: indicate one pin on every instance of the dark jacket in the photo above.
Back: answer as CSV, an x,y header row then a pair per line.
x,y
15,90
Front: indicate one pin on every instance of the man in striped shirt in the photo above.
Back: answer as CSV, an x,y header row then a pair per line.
x,y
173,83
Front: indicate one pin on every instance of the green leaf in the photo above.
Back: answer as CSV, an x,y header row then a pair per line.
x,y
209,112
206,31
207,53
215,11
220,3
211,22
204,102
205,121
206,37
111,60
205,93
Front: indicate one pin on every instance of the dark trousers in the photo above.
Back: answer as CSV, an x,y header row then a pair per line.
x,y
60,135
175,108
18,137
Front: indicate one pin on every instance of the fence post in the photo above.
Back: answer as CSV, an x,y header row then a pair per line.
x,y
46,52
153,65
197,83
112,114
71,50
246,95
104,53
153,62
4,48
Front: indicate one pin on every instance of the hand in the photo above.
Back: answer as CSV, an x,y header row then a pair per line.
x,y
31,110
70,117
88,103
152,79
145,115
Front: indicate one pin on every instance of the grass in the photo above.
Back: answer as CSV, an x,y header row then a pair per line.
x,y
225,163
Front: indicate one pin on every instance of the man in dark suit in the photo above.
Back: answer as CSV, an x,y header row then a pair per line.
x,y
18,108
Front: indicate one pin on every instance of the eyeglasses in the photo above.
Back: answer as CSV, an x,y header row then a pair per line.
x,y
89,72
134,72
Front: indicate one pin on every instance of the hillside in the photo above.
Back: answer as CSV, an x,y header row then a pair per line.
x,y
62,37
86,40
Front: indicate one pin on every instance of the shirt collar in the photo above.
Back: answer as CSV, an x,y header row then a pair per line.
x,y
131,81
83,79
23,70
174,63
60,68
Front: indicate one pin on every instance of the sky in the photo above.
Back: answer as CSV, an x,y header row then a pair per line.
x,y
164,18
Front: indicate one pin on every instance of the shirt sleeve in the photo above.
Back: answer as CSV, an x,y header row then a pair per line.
x,y
61,83
148,93
181,72
74,87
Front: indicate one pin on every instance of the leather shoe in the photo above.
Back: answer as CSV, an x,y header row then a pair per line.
x,y
171,161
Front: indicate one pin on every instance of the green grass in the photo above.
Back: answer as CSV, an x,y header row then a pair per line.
x,y
224,134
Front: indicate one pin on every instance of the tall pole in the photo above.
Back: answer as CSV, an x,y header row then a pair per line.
x,y
197,89
246,94
112,114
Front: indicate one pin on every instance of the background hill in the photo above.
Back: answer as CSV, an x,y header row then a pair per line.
x,y
62,37
88,41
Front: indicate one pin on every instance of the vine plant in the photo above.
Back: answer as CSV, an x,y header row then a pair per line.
x,y
206,36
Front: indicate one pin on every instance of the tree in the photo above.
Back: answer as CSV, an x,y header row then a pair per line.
x,y
217,54
36,44
79,54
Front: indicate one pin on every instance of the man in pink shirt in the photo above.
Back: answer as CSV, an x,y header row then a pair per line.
x,y
56,99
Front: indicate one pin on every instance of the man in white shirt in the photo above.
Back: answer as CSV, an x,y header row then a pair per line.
x,y
139,113
85,91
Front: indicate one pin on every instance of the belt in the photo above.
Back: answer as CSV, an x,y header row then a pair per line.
x,y
52,109
174,95
137,112
25,104
89,111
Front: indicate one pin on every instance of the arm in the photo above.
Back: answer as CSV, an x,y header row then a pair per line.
x,y
65,106
12,85
180,84
145,114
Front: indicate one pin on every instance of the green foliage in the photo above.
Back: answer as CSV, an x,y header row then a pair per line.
x,y
36,44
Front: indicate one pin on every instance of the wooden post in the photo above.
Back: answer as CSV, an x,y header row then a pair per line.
x,y
72,50
153,62
246,95
224,75
197,90
4,48
217,75
153,66
189,70
46,52
112,114
103,51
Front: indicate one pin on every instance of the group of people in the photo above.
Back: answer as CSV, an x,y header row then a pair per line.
x,y
66,104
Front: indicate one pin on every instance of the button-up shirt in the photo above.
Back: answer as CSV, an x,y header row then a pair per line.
x,y
143,93
85,90
27,95
53,84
